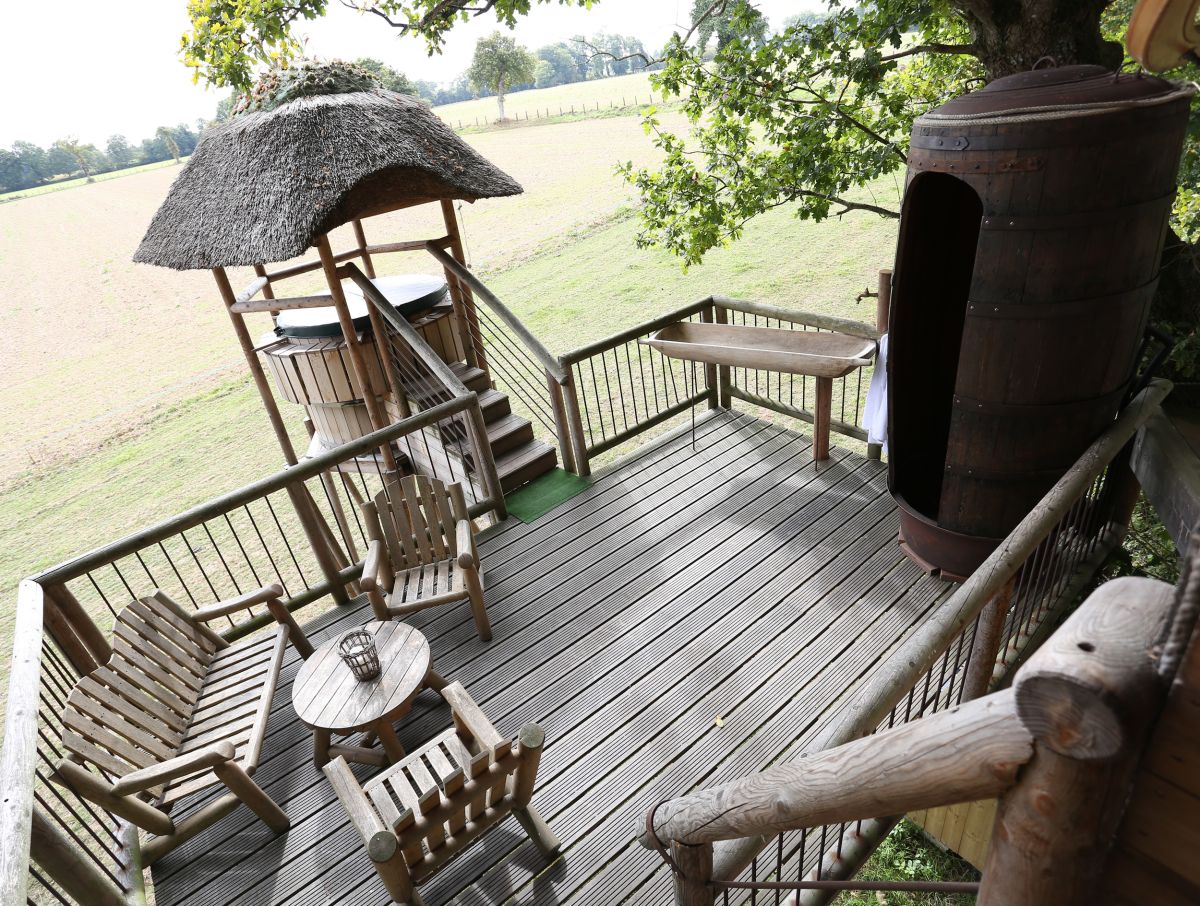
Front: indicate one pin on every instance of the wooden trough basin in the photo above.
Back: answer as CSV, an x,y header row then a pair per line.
x,y
824,355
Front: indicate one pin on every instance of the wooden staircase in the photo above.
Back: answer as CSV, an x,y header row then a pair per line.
x,y
520,457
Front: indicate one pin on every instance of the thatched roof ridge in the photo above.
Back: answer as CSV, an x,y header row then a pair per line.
x,y
263,186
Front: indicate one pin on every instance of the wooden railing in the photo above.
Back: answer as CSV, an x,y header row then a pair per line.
x,y
970,644
286,528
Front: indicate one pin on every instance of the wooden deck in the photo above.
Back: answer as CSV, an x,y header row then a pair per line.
x,y
697,614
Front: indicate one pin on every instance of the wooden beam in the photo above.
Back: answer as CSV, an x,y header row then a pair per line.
x,y
19,756
969,752
985,647
289,304
466,318
68,866
255,366
808,318
357,362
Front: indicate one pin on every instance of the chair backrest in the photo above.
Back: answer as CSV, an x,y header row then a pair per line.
x,y
417,515
134,711
467,787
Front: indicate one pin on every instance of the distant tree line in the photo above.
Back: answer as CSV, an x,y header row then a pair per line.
x,y
27,166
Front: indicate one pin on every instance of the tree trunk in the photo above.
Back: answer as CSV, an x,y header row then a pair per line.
x,y
1013,35
500,100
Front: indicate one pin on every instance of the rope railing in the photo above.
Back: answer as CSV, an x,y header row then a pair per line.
x,y
969,645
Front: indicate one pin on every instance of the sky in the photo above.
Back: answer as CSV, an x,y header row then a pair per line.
x,y
90,70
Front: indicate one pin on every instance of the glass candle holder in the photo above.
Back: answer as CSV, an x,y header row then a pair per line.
x,y
357,648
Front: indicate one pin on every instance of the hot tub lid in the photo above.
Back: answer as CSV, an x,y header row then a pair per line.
x,y
408,294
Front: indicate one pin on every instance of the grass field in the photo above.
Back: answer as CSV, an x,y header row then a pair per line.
x,y
619,91
82,181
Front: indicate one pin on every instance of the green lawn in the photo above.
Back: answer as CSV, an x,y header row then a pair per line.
x,y
602,94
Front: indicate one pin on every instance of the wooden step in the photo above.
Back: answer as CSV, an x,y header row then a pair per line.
x,y
429,391
494,405
508,432
520,466
475,378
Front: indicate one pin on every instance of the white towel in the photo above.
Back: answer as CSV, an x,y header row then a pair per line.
x,y
875,415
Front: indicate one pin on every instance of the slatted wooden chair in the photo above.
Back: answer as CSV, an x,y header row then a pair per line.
x,y
176,709
423,811
422,551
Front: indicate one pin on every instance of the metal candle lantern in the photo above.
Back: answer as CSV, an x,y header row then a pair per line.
x,y
357,648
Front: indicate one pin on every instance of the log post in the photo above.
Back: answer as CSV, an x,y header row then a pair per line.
x,y
986,646
562,429
485,461
256,369
460,294
360,237
81,622
357,362
693,882
883,301
711,379
725,399
583,467
1088,696
69,867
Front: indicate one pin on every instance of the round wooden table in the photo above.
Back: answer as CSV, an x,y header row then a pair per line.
x,y
329,699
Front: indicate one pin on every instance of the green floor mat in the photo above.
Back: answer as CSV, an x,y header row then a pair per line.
x,y
543,494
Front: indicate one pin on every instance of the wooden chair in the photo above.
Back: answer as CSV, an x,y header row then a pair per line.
x,y
176,709
422,550
420,813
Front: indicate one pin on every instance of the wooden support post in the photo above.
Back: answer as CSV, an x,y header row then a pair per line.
x,y
725,398
532,738
843,861
383,347
562,428
693,883
314,530
485,462
822,413
883,301
711,381
361,238
460,294
357,362
68,866
296,635
583,467
234,776
1088,697
267,290
256,369
986,646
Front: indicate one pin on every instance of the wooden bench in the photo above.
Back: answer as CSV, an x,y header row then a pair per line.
x,y
176,709
422,551
420,813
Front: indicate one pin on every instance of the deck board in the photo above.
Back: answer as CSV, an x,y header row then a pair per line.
x,y
729,578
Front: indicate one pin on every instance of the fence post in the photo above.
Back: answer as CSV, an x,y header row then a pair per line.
x,y
693,882
725,398
571,397
485,462
711,380
562,429
66,864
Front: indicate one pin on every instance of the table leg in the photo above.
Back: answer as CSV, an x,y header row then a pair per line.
x,y
391,742
321,747
822,414
434,680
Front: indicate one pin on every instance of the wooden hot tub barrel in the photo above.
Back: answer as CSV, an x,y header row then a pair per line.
x,y
1030,240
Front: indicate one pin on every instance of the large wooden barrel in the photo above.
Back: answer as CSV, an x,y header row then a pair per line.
x,y
1030,240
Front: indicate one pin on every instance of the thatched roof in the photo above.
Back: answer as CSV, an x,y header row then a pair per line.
x,y
263,186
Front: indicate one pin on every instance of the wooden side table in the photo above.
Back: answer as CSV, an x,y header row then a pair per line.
x,y
329,699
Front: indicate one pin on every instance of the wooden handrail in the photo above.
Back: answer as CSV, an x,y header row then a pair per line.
x,y
632,333
959,755
540,352
306,469
430,359
18,759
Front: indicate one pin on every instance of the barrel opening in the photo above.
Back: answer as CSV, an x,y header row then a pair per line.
x,y
935,261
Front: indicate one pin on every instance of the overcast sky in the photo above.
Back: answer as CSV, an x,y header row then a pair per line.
x,y
91,70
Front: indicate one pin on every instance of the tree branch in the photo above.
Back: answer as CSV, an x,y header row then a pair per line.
x,y
930,48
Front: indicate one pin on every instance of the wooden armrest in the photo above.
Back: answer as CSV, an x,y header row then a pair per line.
x,y
174,768
371,564
468,715
241,602
465,542
296,635
362,814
